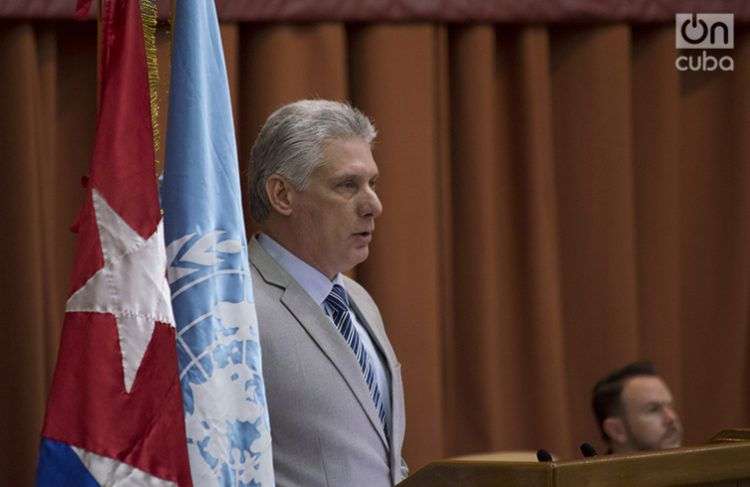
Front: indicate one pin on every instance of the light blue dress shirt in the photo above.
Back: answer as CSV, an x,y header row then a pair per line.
x,y
318,286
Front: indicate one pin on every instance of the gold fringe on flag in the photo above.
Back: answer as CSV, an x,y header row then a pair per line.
x,y
148,19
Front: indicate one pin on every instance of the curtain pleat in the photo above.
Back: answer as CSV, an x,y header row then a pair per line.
x,y
52,278
740,134
230,39
591,104
478,243
657,169
540,282
451,403
558,201
22,146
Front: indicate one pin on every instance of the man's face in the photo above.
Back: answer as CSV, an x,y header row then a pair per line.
x,y
649,416
335,214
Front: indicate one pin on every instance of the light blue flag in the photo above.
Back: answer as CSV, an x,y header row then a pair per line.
x,y
228,433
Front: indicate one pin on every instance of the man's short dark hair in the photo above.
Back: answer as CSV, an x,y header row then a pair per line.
x,y
605,399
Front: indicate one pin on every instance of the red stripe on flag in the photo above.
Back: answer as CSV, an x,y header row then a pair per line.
x,y
123,168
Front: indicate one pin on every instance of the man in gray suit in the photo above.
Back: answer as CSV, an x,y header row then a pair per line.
x,y
333,382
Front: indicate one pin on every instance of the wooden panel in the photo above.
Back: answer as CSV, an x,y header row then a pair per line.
x,y
706,465
482,474
718,465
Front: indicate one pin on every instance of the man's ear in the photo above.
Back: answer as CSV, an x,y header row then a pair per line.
x,y
280,194
615,429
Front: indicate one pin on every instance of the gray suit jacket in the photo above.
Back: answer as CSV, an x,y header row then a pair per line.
x,y
324,426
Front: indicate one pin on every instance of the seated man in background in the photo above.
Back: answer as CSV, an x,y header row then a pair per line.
x,y
635,411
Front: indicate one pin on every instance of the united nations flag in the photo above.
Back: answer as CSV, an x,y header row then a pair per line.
x,y
227,424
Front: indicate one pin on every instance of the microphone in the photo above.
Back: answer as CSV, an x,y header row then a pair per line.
x,y
543,455
587,450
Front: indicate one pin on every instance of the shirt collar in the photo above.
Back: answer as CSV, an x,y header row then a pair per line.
x,y
314,282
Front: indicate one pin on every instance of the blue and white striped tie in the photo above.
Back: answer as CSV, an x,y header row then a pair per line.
x,y
339,305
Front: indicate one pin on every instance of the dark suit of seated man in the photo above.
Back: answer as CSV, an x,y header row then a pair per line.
x,y
333,382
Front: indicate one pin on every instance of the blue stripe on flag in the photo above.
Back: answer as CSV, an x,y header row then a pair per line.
x,y
59,466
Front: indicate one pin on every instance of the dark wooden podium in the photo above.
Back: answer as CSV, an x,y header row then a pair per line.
x,y
723,462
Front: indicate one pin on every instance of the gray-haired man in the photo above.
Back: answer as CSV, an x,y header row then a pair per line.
x,y
333,382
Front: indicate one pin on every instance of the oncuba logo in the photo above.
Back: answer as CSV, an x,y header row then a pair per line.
x,y
704,31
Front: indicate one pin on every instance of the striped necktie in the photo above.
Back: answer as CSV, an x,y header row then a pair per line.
x,y
339,305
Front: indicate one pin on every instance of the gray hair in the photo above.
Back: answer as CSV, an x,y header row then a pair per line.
x,y
292,141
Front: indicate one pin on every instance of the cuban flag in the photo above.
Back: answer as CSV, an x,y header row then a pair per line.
x,y
114,412
228,432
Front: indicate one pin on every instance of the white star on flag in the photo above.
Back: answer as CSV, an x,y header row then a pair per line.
x,y
132,285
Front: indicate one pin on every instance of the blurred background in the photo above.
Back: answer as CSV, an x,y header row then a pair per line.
x,y
559,200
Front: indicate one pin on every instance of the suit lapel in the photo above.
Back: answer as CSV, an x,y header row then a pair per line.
x,y
312,318
368,317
